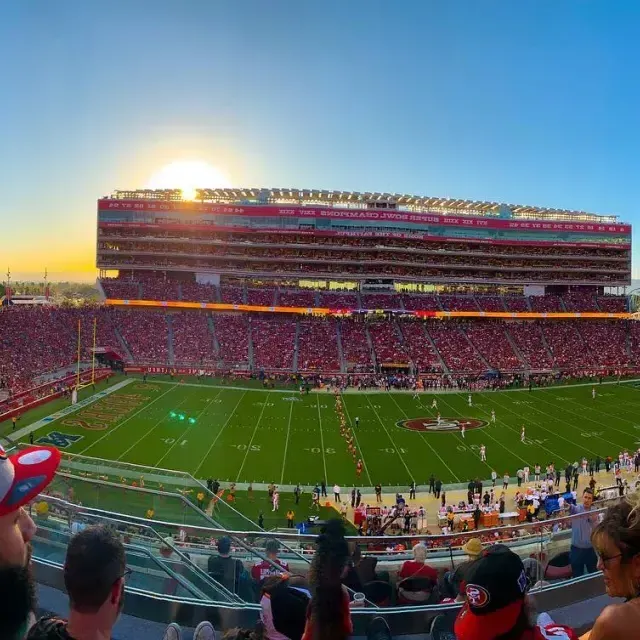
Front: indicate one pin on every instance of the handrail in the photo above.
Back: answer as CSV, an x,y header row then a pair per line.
x,y
146,552
238,535
202,574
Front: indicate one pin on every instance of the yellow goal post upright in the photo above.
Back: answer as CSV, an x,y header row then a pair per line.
x,y
79,384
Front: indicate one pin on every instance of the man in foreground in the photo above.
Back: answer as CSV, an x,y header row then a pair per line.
x,y
94,575
22,477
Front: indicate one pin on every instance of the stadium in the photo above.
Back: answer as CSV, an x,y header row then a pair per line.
x,y
256,351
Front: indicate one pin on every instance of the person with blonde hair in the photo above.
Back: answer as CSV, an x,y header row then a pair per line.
x,y
616,540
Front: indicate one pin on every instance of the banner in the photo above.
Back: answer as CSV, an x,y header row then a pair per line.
x,y
383,215
402,235
326,311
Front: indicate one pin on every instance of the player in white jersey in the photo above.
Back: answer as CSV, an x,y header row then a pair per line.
x,y
462,428
416,395
434,404
522,434
469,400
593,393
493,416
439,419
483,453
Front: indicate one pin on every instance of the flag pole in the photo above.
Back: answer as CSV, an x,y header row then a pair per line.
x,y
93,359
78,367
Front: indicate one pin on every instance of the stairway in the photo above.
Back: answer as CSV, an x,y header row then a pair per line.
x,y
250,346
586,346
473,346
372,351
343,364
212,330
123,345
515,348
443,364
296,347
547,347
169,319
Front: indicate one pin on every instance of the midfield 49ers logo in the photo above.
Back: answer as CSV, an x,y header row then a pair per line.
x,y
445,424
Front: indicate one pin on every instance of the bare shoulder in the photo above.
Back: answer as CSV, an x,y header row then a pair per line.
x,y
615,621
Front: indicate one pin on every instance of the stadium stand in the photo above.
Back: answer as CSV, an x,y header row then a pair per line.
x,y
273,342
318,346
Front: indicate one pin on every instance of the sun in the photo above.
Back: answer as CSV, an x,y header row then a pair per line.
x,y
189,175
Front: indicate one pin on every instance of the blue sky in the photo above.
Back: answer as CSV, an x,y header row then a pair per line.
x,y
529,102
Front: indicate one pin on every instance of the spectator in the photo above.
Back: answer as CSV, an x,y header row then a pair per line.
x,y
617,540
328,617
283,609
272,566
223,568
582,554
22,481
495,602
94,575
418,567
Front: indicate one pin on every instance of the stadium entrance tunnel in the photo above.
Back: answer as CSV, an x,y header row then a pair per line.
x,y
444,424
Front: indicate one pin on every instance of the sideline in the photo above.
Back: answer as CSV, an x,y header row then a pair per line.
x,y
429,392
43,422
442,392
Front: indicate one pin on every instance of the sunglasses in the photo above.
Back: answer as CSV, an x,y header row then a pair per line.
x,y
124,576
604,558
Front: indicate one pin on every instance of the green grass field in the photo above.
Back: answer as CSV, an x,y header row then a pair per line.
x,y
251,435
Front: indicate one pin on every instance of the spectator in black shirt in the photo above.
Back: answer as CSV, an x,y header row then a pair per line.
x,y
225,569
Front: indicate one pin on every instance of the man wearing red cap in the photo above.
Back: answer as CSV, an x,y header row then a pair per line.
x,y
22,477
495,603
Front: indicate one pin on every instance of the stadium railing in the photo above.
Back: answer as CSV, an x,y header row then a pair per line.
x,y
166,584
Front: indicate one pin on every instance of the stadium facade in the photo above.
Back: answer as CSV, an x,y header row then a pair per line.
x,y
327,239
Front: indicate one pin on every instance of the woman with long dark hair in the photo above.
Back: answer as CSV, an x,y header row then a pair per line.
x,y
328,616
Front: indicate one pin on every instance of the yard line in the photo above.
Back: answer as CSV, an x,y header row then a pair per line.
x,y
604,413
557,407
553,433
185,431
253,435
355,435
149,431
286,444
218,435
486,432
425,440
112,431
391,439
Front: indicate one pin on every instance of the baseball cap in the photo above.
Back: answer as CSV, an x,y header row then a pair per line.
x,y
495,586
24,475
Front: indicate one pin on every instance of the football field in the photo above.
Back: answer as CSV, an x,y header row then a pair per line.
x,y
251,435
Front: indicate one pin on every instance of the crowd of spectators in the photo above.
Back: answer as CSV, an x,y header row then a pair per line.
x,y
46,337
318,345
232,334
419,348
273,342
326,266
386,339
192,339
456,350
355,346
491,341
